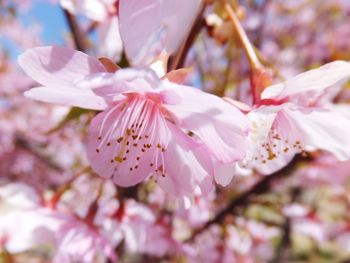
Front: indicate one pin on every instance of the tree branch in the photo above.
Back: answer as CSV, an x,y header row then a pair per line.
x,y
78,36
22,142
178,60
263,186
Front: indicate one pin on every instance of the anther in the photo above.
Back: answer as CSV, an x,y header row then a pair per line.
x,y
190,133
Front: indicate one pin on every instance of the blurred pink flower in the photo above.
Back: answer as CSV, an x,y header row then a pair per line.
x,y
78,241
289,119
148,126
137,225
319,171
25,223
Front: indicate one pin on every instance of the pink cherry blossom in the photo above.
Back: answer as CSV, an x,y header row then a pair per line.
x,y
148,126
78,241
137,225
289,119
318,172
24,222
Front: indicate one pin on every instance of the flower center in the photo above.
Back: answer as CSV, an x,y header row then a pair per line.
x,y
136,133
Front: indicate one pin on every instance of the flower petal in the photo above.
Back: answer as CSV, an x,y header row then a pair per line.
x,y
321,129
111,44
224,173
109,157
129,140
186,170
58,66
157,26
220,125
110,85
315,80
68,96
268,149
178,76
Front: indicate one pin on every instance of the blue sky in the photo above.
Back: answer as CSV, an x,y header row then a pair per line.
x,y
52,21
51,18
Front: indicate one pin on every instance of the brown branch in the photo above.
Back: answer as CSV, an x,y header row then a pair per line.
x,y
77,34
263,186
24,143
242,35
178,60
283,250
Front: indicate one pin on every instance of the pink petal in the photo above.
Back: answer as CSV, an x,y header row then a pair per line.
x,y
178,76
58,66
221,126
111,45
186,170
156,26
127,141
315,80
321,129
110,85
269,148
82,98
224,173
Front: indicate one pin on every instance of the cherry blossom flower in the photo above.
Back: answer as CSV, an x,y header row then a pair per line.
x,y
318,173
137,225
78,241
289,119
148,125
24,224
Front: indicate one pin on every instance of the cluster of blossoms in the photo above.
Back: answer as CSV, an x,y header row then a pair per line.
x,y
127,160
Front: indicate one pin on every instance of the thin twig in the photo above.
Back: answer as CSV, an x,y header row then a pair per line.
x,y
178,60
263,186
24,143
283,250
77,34
246,44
